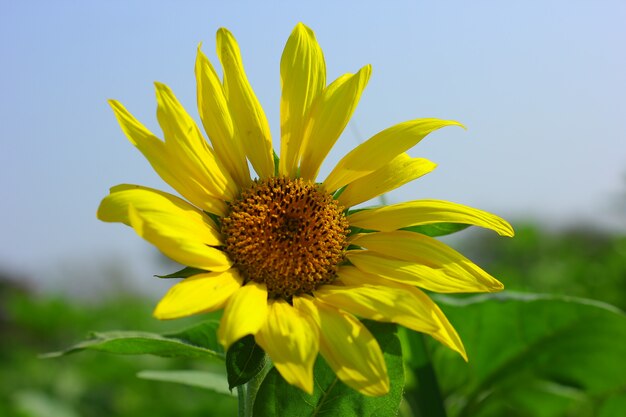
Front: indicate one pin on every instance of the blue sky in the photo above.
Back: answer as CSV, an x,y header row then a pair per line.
x,y
541,86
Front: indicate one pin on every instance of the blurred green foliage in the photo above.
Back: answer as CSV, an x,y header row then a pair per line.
x,y
532,355
579,261
582,262
90,384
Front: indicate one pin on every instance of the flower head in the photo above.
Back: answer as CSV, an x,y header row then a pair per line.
x,y
284,256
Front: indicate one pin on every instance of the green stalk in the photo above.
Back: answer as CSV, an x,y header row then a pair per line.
x,y
246,394
241,401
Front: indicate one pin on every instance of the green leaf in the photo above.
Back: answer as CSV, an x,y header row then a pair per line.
x,y
201,379
196,342
437,229
532,355
244,360
37,403
614,405
203,334
422,388
331,397
186,272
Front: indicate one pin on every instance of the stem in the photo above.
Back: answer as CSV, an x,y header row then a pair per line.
x,y
425,398
253,388
246,394
241,401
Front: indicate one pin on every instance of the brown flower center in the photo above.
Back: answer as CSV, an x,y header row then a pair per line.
x,y
287,234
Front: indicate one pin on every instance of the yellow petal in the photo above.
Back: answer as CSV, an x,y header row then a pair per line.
x,y
397,172
302,76
292,341
176,217
348,347
218,124
198,294
245,109
419,212
244,314
376,301
329,116
184,140
416,259
380,149
369,296
166,163
182,248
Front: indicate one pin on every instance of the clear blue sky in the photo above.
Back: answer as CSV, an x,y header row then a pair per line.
x,y
541,86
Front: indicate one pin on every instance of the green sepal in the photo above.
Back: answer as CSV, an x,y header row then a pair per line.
x,y
331,397
356,210
437,229
244,360
432,230
217,219
276,164
186,272
357,230
337,193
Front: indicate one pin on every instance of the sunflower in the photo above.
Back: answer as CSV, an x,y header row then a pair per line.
x,y
280,253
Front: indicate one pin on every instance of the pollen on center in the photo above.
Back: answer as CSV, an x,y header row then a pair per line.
x,y
286,233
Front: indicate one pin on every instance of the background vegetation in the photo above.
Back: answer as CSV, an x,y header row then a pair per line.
x,y
580,262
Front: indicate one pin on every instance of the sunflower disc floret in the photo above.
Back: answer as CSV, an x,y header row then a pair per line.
x,y
287,234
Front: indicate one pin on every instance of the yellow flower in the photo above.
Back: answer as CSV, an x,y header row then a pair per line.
x,y
278,251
